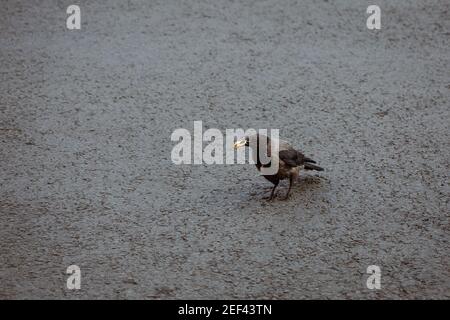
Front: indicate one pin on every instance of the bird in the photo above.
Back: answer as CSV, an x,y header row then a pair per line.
x,y
290,160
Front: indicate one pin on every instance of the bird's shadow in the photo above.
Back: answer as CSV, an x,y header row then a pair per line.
x,y
304,183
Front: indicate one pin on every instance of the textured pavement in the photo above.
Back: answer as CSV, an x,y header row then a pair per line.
x,y
86,176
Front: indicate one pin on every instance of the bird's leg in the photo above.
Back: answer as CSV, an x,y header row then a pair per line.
x,y
291,180
273,192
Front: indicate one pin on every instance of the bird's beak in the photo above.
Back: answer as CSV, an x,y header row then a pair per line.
x,y
240,143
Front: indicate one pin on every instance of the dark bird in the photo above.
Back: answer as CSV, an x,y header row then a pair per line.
x,y
290,160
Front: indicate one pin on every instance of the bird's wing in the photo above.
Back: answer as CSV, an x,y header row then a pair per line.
x,y
291,157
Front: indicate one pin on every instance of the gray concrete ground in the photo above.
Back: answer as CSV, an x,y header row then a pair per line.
x,y
86,176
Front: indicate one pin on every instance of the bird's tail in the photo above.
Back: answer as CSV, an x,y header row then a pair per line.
x,y
310,166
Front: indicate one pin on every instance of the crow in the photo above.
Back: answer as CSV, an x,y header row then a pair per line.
x,y
290,160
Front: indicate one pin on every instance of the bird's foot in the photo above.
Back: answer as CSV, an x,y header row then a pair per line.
x,y
287,195
268,198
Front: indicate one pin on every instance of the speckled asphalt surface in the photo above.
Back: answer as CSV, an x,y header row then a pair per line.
x,y
86,176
